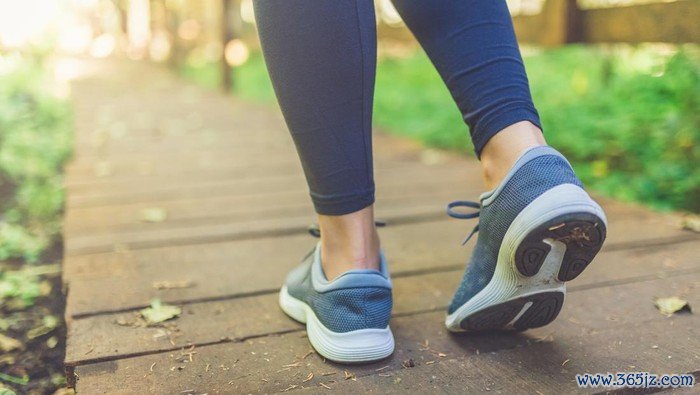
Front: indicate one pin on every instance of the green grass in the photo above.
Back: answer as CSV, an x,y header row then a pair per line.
x,y
627,118
35,142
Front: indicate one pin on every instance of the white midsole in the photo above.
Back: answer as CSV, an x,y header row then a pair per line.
x,y
362,345
507,283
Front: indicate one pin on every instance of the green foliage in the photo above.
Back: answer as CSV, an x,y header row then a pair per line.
x,y
17,241
35,142
18,289
628,118
411,100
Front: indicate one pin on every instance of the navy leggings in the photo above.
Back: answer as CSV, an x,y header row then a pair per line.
x,y
321,57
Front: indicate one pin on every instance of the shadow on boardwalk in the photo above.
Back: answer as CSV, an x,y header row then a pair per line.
x,y
197,199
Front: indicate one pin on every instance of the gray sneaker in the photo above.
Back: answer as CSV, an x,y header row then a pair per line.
x,y
347,319
537,230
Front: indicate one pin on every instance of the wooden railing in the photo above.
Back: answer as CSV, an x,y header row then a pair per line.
x,y
560,22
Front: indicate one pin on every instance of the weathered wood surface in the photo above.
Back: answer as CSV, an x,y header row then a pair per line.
x,y
561,22
237,208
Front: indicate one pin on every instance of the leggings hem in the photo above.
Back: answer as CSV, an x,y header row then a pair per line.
x,y
501,122
342,205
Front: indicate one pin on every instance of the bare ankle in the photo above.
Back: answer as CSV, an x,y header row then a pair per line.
x,y
349,242
504,148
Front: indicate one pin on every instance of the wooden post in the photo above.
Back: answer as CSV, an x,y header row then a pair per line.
x,y
173,22
226,36
574,22
560,22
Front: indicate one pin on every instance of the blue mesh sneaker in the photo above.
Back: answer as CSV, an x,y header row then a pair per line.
x,y
347,319
537,230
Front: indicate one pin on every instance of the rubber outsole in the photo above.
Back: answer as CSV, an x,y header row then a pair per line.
x,y
539,310
582,233
550,242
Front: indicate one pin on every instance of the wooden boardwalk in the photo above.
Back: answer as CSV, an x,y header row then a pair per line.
x,y
226,176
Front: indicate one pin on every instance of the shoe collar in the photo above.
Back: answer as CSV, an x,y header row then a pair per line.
x,y
487,198
358,278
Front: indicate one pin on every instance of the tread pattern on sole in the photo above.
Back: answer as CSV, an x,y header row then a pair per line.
x,y
544,309
583,234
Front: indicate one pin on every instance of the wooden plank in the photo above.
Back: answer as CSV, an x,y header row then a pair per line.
x,y
547,367
389,174
210,165
97,282
388,149
99,337
126,217
154,189
544,358
212,224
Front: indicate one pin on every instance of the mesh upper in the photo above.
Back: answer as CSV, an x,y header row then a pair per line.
x,y
345,309
532,179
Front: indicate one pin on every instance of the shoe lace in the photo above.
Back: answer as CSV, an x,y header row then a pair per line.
x,y
454,213
315,231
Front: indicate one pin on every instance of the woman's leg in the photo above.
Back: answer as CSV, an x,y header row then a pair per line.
x,y
537,227
472,44
321,57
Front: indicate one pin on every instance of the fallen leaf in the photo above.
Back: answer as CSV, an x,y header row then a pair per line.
x,y
159,312
668,306
691,222
8,344
173,284
6,391
52,342
154,214
49,323
432,157
103,169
